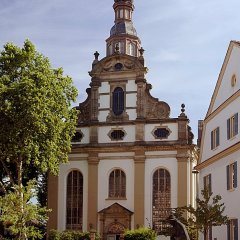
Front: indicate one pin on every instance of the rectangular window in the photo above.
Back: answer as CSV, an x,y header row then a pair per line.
x,y
207,181
232,126
215,138
231,176
232,229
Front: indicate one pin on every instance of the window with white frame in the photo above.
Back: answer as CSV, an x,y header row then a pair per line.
x,y
231,176
232,229
232,126
215,138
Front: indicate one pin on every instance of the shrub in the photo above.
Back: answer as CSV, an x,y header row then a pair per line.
x,y
69,235
140,234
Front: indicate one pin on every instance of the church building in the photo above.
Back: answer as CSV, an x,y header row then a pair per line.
x,y
130,163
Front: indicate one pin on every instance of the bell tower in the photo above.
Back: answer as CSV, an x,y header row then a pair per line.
x,y
123,36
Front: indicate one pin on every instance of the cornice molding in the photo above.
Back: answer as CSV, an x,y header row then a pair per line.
x,y
226,152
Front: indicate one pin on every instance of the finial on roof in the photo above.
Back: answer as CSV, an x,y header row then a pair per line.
x,y
182,110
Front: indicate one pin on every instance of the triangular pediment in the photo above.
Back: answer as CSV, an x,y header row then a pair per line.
x,y
116,208
224,88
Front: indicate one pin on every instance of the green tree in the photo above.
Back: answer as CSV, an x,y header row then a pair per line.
x,y
21,216
36,118
209,212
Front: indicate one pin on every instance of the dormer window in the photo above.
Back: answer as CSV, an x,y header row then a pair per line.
x,y
118,101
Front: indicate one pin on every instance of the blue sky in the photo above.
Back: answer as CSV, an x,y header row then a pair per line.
x,y
185,42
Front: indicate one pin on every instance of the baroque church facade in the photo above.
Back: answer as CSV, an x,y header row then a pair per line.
x,y
130,163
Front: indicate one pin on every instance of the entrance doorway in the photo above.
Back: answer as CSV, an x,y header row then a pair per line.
x,y
113,221
113,237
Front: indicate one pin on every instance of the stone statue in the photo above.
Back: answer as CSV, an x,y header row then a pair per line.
x,y
179,230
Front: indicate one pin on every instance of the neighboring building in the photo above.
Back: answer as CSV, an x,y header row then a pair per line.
x,y
130,162
220,143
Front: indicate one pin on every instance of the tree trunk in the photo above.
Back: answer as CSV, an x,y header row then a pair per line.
x,y
22,223
205,233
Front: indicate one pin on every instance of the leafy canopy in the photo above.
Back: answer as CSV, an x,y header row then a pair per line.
x,y
36,119
209,212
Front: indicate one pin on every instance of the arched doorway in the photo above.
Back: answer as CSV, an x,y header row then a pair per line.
x,y
115,230
113,221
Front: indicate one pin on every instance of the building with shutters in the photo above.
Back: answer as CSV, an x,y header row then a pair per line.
x,y
130,161
220,144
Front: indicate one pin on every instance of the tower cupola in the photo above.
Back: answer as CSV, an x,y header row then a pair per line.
x,y
123,36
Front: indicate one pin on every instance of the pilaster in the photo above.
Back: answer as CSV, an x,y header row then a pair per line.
x,y
139,173
183,126
93,134
140,98
52,202
92,190
95,84
139,131
183,159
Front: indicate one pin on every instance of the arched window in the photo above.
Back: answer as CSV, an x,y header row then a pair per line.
x,y
117,184
118,101
74,201
131,49
161,200
110,50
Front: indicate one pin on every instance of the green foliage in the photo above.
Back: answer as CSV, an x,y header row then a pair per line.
x,y
140,234
209,212
69,235
36,122
19,215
